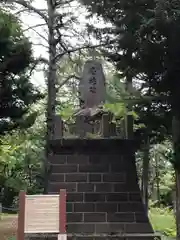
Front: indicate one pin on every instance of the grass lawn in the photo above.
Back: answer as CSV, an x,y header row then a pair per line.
x,y
163,221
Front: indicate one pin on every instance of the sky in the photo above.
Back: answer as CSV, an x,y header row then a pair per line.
x,y
30,20
38,34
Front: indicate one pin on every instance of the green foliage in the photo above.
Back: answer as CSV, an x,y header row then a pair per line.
x,y
12,238
161,174
163,221
138,53
21,163
17,92
118,99
66,111
15,49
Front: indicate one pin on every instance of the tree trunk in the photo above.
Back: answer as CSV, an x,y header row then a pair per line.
x,y
177,204
142,179
145,174
157,181
153,190
176,145
51,83
128,87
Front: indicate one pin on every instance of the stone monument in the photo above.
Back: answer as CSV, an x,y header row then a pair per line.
x,y
92,96
92,85
99,174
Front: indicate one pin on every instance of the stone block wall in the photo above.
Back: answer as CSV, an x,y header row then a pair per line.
x,y
103,195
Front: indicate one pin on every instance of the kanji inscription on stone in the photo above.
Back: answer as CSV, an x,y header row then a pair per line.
x,y
92,85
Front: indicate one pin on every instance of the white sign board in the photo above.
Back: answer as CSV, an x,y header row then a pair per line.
x,y
92,85
41,214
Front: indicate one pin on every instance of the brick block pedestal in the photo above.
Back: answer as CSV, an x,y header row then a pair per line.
x,y
103,195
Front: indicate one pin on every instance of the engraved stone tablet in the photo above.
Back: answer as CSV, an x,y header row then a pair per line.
x,y
92,85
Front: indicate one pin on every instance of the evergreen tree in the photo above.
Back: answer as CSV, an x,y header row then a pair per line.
x,y
148,47
17,93
136,53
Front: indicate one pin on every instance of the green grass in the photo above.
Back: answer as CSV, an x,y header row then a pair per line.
x,y
163,221
3,215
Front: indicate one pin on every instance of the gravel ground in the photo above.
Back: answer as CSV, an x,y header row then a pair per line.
x,y
8,226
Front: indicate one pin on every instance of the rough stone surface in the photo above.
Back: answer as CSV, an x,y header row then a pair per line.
x,y
103,196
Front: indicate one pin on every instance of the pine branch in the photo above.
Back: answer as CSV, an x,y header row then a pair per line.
x,y
30,8
60,3
67,79
69,51
34,26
